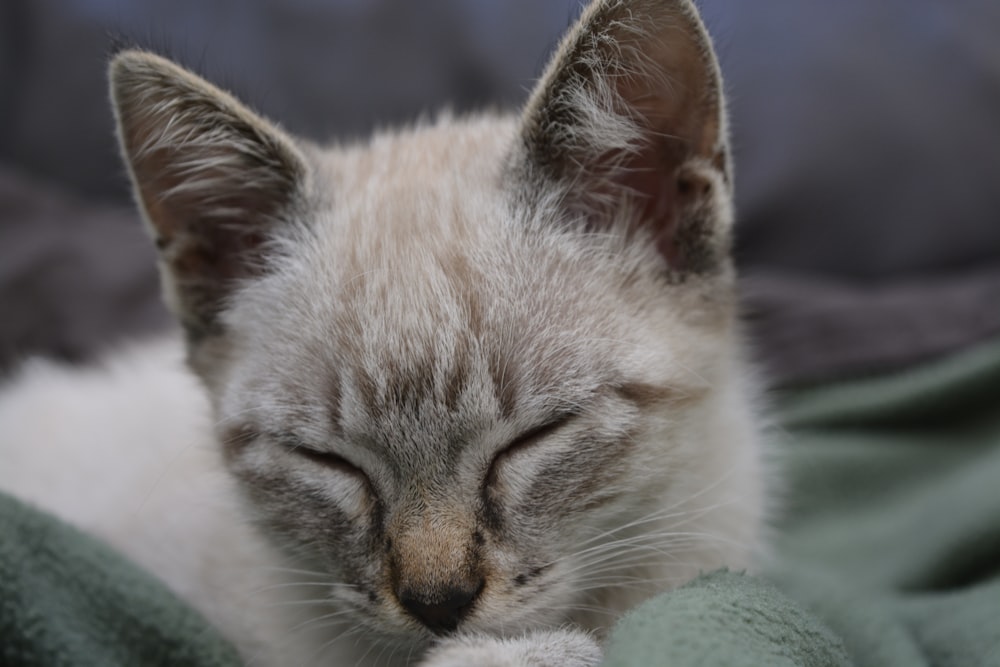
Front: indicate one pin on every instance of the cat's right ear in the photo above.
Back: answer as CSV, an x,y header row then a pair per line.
x,y
216,183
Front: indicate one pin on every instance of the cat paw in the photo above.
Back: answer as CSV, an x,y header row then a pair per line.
x,y
555,648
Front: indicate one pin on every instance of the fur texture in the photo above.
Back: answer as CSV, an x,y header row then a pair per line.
x,y
475,386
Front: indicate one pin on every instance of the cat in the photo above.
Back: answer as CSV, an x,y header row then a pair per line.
x,y
460,395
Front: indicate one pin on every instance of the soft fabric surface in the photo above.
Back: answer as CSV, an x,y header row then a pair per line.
x,y
806,330
68,601
888,554
893,533
724,620
891,539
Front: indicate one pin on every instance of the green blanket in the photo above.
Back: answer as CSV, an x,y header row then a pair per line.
x,y
66,600
887,553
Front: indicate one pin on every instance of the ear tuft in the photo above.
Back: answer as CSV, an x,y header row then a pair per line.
x,y
628,124
214,180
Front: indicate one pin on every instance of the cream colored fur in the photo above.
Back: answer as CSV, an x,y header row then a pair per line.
x,y
400,348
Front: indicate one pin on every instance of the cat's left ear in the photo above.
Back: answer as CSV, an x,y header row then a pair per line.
x,y
628,127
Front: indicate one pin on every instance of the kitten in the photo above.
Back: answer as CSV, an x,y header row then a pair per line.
x,y
465,393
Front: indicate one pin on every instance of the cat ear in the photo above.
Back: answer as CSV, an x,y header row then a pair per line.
x,y
215,182
628,127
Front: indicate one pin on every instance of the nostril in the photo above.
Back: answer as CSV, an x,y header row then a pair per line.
x,y
443,609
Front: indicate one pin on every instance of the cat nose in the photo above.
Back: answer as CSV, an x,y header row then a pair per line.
x,y
441,610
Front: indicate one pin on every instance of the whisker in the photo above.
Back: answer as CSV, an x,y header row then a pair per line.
x,y
311,623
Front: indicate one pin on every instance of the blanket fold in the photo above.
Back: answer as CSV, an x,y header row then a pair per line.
x,y
66,600
724,619
890,536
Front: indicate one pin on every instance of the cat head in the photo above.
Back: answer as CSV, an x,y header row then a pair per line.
x,y
450,366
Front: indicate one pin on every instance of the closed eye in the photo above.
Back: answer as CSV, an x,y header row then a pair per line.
x,y
332,461
324,458
525,441
328,459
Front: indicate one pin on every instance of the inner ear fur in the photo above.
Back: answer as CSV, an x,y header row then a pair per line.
x,y
628,122
214,181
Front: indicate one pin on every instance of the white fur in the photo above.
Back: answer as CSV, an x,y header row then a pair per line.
x,y
555,648
124,451
419,260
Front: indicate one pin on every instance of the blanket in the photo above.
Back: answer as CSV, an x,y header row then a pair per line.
x,y
66,600
887,552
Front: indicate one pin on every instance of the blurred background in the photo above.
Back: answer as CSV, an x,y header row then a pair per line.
x,y
866,137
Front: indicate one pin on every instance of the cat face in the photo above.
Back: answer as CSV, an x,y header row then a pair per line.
x,y
454,367
445,412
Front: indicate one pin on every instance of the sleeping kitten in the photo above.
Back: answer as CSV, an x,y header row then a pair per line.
x,y
465,393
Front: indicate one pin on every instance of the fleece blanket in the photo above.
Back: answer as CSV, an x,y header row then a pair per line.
x,y
887,552
67,600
